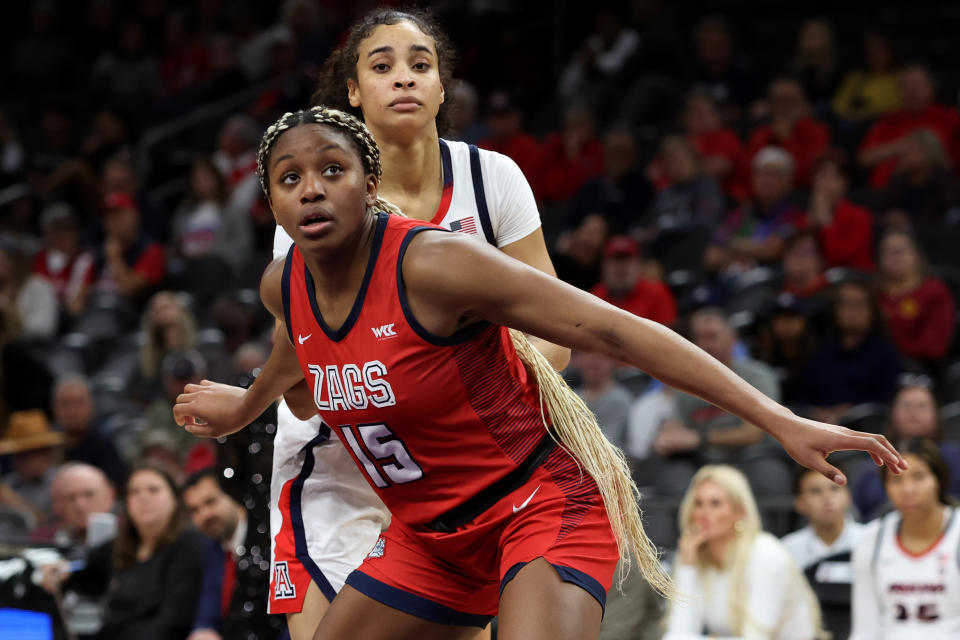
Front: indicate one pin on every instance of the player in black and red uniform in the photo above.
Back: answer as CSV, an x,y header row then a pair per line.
x,y
399,329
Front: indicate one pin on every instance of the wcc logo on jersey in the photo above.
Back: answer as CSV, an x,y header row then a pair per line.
x,y
283,587
384,331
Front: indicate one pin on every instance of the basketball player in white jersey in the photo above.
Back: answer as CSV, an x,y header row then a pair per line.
x,y
392,71
906,581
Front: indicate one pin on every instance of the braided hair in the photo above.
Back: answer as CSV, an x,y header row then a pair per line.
x,y
356,131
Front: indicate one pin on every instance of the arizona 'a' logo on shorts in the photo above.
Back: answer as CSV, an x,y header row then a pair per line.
x,y
283,587
377,551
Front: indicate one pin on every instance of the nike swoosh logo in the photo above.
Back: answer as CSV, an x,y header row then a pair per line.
x,y
303,338
527,501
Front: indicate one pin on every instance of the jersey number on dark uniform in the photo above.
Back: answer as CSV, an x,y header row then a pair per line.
x,y
382,454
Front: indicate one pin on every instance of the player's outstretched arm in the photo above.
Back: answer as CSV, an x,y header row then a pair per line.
x,y
211,409
450,280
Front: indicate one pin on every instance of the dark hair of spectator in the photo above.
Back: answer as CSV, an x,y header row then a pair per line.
x,y
838,158
923,267
128,538
342,63
878,325
197,477
798,236
206,163
928,451
912,382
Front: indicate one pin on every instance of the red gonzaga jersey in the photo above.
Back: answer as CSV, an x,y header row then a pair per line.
x,y
430,420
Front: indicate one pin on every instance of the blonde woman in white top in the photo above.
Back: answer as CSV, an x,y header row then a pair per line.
x,y
734,580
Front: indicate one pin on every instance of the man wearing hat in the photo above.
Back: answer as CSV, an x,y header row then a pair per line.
x,y
127,263
34,449
624,286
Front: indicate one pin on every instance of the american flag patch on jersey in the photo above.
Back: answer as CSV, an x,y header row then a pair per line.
x,y
464,225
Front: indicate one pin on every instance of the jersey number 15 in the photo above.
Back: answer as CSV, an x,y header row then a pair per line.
x,y
389,461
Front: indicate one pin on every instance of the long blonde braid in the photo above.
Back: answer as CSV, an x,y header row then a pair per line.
x,y
573,423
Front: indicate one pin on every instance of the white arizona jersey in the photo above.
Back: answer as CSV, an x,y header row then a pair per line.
x,y
324,517
900,595
484,195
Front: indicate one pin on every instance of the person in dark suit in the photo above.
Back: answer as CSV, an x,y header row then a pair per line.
x,y
234,564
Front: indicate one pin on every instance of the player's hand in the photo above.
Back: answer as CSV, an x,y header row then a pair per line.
x,y
810,442
204,634
210,409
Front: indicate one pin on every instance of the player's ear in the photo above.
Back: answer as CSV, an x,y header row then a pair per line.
x,y
273,210
353,93
372,186
443,94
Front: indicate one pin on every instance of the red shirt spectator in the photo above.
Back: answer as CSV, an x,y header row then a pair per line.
x,y
803,275
844,229
921,321
505,122
127,262
569,158
920,310
624,286
882,146
61,261
791,128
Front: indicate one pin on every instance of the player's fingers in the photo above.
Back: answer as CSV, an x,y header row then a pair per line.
x,y
879,446
201,429
828,471
191,387
877,460
180,412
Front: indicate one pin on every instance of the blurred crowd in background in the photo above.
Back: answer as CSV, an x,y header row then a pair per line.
x,y
779,186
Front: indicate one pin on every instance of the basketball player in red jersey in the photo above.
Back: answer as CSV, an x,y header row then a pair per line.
x,y
399,329
392,71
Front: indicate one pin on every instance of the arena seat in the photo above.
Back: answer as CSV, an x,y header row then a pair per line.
x,y
950,421
868,417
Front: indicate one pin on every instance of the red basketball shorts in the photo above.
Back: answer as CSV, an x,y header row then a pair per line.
x,y
457,578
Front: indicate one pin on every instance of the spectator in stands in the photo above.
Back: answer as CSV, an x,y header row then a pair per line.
x,y
871,91
12,158
844,229
34,449
886,139
923,188
31,295
621,193
81,491
815,62
791,127
42,55
740,581
692,197
464,123
823,548
127,262
703,433
128,73
568,158
803,275
830,528
236,154
73,413
607,399
720,149
920,310
169,327
61,260
913,414
185,60
578,253
787,342
754,232
725,76
151,572
119,175
209,222
506,134
856,363
233,595
624,283
596,68
177,370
